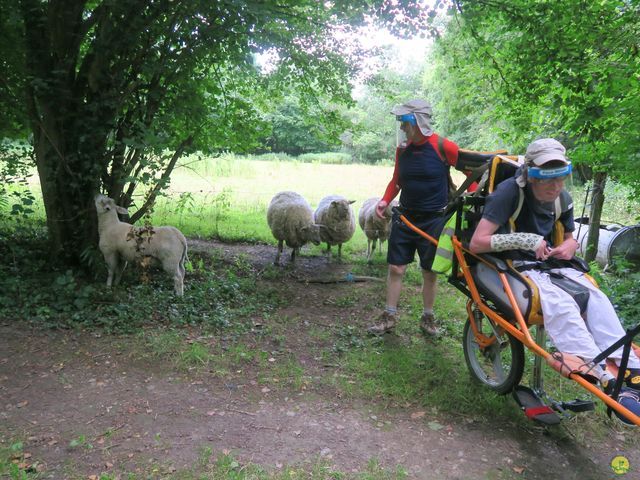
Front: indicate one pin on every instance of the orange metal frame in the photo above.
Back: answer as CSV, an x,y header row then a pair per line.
x,y
519,330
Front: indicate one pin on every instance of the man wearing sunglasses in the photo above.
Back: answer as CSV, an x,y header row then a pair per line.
x,y
534,191
421,174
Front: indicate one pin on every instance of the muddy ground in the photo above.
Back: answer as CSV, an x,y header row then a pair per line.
x,y
85,403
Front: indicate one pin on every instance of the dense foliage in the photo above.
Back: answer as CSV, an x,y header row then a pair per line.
x,y
525,68
113,93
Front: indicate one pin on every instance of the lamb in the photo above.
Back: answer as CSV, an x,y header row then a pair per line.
x,y
374,227
336,214
121,242
290,219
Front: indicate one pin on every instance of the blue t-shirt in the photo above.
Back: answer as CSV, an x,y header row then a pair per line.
x,y
534,217
422,176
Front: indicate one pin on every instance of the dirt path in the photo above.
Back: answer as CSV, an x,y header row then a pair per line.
x,y
87,404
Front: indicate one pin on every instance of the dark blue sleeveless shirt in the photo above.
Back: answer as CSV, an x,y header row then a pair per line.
x,y
423,179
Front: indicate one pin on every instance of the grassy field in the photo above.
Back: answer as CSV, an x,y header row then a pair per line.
x,y
227,197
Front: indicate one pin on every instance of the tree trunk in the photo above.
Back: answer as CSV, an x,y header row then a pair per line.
x,y
68,136
597,201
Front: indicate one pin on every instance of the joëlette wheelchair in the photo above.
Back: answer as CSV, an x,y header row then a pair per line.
x,y
503,307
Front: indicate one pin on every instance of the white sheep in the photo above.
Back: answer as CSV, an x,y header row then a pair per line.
x,y
121,242
336,215
290,219
374,227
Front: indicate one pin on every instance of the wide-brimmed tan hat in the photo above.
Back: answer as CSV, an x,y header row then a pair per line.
x,y
422,111
545,150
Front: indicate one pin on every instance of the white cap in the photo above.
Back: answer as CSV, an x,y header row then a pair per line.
x,y
545,150
421,110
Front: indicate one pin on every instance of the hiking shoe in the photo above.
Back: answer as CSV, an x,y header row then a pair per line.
x,y
428,325
385,323
607,385
632,378
630,399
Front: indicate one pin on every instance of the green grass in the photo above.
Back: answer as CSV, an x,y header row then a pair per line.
x,y
210,466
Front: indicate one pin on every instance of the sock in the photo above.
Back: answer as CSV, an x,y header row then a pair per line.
x,y
391,310
427,311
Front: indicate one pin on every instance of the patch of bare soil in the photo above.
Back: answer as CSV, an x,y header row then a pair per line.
x,y
86,403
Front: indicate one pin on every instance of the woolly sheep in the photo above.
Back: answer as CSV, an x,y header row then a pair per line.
x,y
336,214
374,227
290,219
121,242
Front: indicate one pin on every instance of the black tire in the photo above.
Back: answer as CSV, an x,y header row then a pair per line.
x,y
498,367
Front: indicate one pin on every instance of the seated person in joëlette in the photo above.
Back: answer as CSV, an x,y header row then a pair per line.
x,y
541,180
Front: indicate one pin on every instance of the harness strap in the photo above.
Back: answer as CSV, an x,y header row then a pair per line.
x,y
443,156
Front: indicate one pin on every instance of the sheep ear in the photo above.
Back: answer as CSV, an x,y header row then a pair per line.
x,y
122,210
351,201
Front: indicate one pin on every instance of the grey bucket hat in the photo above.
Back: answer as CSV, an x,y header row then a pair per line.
x,y
422,111
545,150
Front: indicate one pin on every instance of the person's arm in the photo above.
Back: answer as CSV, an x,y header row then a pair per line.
x,y
567,249
392,188
451,151
481,239
485,239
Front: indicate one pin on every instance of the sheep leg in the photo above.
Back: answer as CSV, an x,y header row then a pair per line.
x,y
369,250
178,284
339,250
111,258
176,270
294,251
279,252
122,264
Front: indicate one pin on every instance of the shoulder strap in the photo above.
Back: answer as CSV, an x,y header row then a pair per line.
x,y
443,155
514,216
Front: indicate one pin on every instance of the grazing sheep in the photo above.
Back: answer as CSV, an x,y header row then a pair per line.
x,y
290,219
336,214
121,242
374,227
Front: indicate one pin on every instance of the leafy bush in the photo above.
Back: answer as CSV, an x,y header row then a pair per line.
x,y
35,289
15,171
622,285
334,158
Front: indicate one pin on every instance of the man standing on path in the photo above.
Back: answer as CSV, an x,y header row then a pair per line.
x,y
421,174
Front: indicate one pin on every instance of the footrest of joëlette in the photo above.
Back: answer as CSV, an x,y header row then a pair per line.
x,y
578,405
533,406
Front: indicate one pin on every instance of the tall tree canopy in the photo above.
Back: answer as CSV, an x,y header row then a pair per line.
x,y
532,68
566,68
106,88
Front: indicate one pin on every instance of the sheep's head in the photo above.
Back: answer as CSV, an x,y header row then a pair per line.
x,y
105,204
341,208
311,233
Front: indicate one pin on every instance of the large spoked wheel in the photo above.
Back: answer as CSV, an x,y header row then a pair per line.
x,y
495,361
